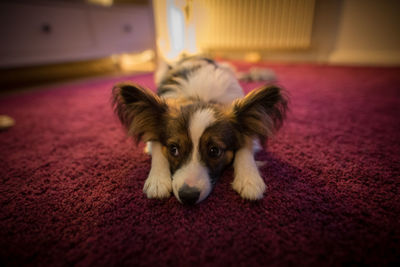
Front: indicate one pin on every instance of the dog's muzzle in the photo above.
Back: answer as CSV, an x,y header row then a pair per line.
x,y
188,195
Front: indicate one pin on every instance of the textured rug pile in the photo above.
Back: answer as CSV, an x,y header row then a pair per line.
x,y
71,181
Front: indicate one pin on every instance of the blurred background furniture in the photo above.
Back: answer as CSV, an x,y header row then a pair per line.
x,y
46,41
50,40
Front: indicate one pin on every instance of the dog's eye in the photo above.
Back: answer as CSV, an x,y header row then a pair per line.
x,y
214,152
173,150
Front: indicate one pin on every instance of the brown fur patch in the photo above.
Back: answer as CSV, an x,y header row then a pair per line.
x,y
139,110
176,135
261,112
223,136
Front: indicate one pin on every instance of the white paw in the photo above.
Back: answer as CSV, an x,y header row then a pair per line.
x,y
158,186
251,186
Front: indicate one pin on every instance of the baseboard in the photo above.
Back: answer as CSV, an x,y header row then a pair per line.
x,y
35,75
360,57
13,78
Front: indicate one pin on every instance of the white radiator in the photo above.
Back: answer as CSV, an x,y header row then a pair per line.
x,y
253,24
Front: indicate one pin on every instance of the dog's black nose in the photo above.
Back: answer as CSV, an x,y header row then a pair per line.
x,y
188,195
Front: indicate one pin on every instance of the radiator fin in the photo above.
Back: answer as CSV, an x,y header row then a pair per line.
x,y
254,24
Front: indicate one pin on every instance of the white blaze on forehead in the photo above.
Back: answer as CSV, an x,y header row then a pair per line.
x,y
200,120
194,174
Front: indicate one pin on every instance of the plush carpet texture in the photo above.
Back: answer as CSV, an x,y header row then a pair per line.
x,y
71,182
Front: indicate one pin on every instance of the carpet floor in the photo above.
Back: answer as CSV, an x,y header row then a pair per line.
x,y
71,182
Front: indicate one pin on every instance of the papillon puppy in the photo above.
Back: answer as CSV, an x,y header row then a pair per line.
x,y
197,124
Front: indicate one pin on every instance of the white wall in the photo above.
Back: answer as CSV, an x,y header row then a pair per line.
x,y
356,32
369,33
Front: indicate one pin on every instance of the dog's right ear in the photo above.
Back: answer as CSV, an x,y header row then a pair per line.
x,y
139,110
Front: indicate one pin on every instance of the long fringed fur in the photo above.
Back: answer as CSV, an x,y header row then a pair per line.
x,y
139,110
262,112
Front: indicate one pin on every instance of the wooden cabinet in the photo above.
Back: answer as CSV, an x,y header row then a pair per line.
x,y
35,34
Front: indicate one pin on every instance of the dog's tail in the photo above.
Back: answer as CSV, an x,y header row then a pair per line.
x,y
256,74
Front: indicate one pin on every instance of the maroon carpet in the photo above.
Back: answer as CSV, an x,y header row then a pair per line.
x,y
71,182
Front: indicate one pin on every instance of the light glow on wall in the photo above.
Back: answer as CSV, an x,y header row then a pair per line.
x,y
101,2
176,30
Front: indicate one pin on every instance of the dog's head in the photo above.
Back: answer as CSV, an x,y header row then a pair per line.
x,y
198,139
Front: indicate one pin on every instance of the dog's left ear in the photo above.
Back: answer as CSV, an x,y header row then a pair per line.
x,y
261,112
139,110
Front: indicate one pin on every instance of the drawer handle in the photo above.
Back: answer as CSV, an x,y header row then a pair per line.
x,y
46,28
127,28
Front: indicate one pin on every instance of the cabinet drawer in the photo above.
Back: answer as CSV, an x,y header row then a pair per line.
x,y
43,29
123,29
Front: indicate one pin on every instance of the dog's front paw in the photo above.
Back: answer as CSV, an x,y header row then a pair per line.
x,y
251,186
157,186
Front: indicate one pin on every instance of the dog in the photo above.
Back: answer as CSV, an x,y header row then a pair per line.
x,y
197,125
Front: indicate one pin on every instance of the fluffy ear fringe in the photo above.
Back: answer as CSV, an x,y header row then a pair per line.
x,y
139,110
262,112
